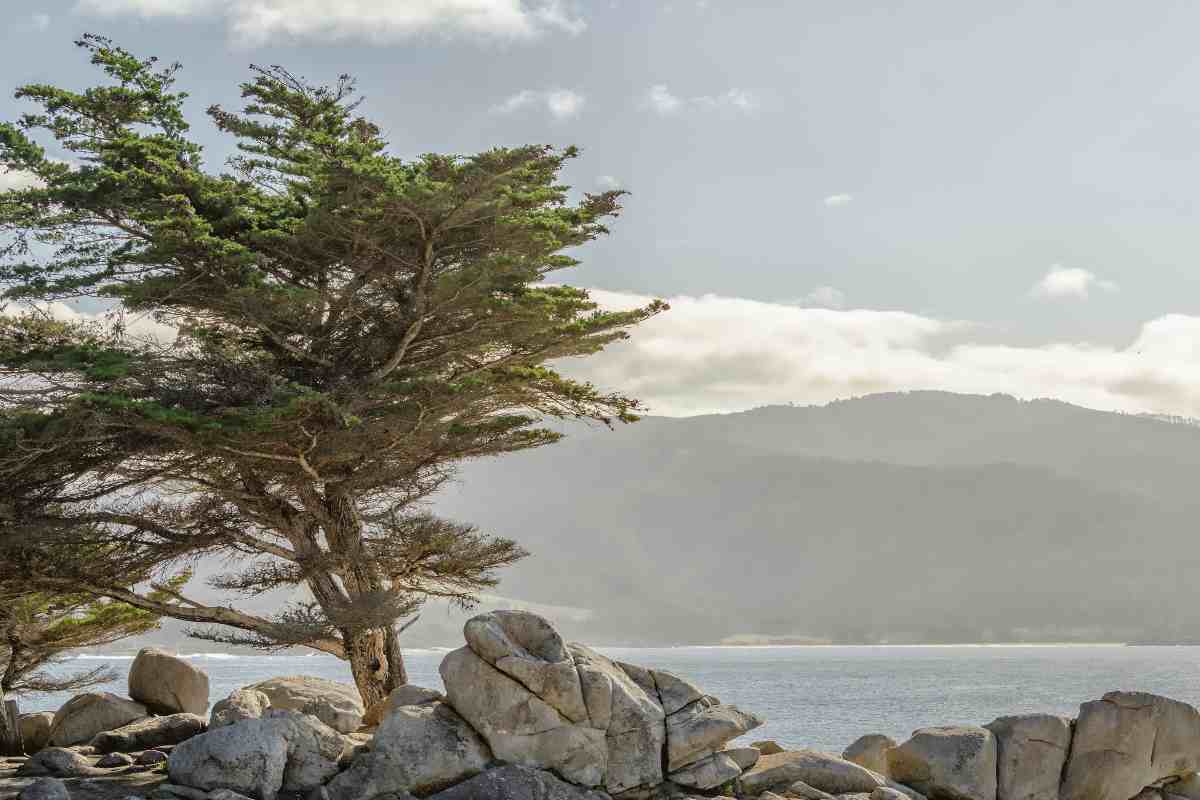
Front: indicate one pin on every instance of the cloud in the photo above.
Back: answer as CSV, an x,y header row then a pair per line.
x,y
559,103
139,326
380,21
838,200
661,100
1074,282
823,297
717,354
608,182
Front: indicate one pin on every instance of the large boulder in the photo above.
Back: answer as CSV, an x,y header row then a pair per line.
x,y
1128,740
35,730
239,705
60,762
45,789
85,715
517,783
822,771
149,733
407,695
282,751
420,749
947,763
1031,751
701,728
166,684
870,751
338,705
707,773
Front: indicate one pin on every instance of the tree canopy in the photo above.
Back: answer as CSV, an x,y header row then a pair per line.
x,y
350,325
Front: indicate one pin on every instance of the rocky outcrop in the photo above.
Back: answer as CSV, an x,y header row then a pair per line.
x,y
419,749
707,773
822,771
239,705
166,684
149,733
35,730
1129,740
517,783
1031,751
260,757
336,704
541,703
91,713
947,763
45,789
870,751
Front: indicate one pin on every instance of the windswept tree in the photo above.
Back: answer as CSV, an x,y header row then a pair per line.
x,y
351,324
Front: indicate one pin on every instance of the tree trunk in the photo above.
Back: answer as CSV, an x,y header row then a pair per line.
x,y
375,663
10,728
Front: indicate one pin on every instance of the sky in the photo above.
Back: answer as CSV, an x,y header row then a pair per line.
x,y
836,197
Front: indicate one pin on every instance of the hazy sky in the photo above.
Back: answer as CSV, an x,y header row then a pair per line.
x,y
962,195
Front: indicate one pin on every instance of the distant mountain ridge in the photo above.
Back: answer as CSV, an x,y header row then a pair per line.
x,y
904,517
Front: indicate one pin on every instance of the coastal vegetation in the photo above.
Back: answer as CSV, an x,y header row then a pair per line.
x,y
339,327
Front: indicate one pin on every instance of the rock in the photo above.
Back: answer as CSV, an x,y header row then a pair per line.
x,y
517,783
870,751
149,733
1128,740
407,695
174,790
1186,788
701,728
885,793
336,704
45,789
744,757
802,790
822,771
674,692
1031,750
768,747
420,749
948,763
519,726
259,757
226,794
149,758
707,773
239,705
114,760
61,762
85,715
35,730
167,684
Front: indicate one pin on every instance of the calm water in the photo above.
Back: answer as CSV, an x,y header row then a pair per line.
x,y
825,697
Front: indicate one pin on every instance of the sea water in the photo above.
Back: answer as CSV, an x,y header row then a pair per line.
x,y
818,697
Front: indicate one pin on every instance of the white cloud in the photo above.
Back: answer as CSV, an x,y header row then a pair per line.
x,y
256,21
838,200
608,182
713,354
559,103
136,325
17,179
1063,281
661,100
823,297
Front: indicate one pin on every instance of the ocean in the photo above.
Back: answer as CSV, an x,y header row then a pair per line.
x,y
819,697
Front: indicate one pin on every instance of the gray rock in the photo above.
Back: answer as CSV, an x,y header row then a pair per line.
x,y
802,790
744,757
336,704
239,705
419,749
149,758
1031,751
1186,788
517,783
674,692
186,792
259,757
149,733
226,794
768,747
166,684
870,751
707,773
85,715
407,695
885,793
947,763
114,760
35,730
45,789
1129,740
61,762
701,728
822,771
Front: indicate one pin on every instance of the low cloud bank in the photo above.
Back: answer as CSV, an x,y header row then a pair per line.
x,y
716,354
